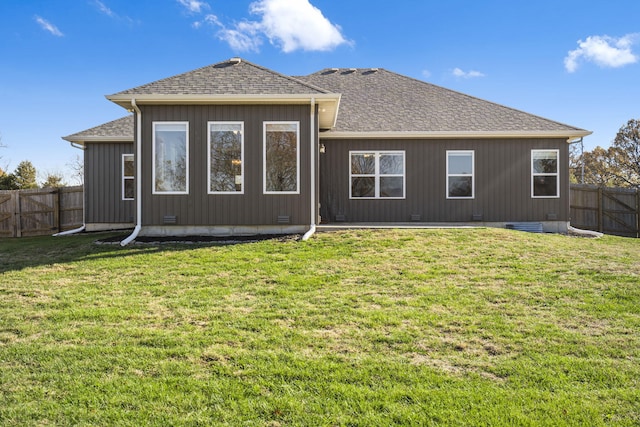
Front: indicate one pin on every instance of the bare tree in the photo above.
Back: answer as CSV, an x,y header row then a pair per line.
x,y
77,167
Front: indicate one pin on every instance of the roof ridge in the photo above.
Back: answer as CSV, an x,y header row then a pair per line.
x,y
292,78
234,62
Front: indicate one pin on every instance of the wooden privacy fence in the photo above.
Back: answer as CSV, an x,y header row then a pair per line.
x,y
40,211
604,209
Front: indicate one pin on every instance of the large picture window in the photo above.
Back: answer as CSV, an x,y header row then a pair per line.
x,y
377,175
460,174
545,174
281,157
128,177
170,157
226,153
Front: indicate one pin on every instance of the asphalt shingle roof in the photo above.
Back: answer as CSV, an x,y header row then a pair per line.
x,y
119,128
227,78
377,100
373,100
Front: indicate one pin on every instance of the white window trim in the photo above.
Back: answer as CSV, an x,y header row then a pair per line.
x,y
557,174
153,158
209,157
473,173
377,175
127,177
264,156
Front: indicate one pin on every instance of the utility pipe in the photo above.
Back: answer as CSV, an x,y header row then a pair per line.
x,y
312,227
138,160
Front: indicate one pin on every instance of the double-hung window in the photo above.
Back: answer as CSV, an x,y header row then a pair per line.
x,y
170,157
460,174
545,173
128,177
281,166
377,175
226,154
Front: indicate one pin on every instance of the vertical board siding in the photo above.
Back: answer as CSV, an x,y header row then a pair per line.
x,y
103,182
198,208
502,182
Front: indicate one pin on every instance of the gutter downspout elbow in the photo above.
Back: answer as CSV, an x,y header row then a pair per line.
x,y
312,226
84,207
138,159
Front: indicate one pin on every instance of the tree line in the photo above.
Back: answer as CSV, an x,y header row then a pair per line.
x,y
616,166
25,177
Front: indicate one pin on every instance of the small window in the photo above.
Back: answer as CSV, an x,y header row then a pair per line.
x,y
377,175
170,158
128,177
460,175
281,158
226,152
545,174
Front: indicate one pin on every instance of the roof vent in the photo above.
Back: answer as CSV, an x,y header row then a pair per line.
x,y
373,70
235,60
352,70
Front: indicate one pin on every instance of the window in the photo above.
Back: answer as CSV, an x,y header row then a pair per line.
x,y
376,175
544,173
281,158
170,158
128,177
226,152
460,178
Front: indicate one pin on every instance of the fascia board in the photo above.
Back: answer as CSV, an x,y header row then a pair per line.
x,y
569,134
328,102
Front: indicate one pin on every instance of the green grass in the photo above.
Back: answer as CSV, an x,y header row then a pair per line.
x,y
356,328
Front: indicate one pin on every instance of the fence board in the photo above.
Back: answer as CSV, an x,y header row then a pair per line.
x,y
608,210
40,211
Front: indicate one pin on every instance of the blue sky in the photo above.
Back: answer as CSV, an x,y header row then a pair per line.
x,y
571,61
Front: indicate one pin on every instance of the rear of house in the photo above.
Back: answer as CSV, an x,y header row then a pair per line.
x,y
235,148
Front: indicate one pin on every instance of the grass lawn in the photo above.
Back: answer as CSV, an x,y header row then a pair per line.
x,y
355,328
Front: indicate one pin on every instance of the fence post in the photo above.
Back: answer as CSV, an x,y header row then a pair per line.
x,y
600,209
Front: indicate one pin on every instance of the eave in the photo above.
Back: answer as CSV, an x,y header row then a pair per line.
x,y
328,103
82,140
570,135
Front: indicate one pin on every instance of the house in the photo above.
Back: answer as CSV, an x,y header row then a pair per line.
x,y
235,148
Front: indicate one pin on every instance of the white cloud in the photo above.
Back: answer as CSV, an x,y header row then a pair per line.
x,y
194,6
605,51
467,74
296,24
48,26
426,74
288,24
104,9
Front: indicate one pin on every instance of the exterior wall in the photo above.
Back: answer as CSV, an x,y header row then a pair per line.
x,y
198,208
502,183
103,185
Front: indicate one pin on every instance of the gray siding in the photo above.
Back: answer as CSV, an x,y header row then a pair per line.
x,y
251,208
103,183
502,182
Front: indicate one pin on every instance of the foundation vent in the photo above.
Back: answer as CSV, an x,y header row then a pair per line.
x,y
169,219
416,217
284,219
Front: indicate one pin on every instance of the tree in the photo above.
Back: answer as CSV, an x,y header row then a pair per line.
x,y
616,166
53,180
624,157
77,166
25,175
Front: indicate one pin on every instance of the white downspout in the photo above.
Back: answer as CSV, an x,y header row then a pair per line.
x,y
138,159
312,227
84,205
